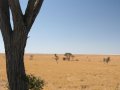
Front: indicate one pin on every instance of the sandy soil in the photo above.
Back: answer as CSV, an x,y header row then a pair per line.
x,y
89,73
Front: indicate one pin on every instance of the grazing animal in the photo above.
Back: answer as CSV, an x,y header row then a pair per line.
x,y
56,58
106,60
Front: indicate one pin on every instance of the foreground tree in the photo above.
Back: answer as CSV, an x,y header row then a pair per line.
x,y
15,39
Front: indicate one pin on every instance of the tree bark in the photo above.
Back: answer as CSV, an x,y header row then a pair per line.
x,y
15,70
15,61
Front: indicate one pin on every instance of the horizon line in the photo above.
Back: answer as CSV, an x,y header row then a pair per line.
x,y
67,52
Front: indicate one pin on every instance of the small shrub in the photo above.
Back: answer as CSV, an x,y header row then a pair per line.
x,y
34,83
64,58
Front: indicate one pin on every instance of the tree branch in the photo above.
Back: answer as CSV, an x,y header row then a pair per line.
x,y
16,12
32,11
5,25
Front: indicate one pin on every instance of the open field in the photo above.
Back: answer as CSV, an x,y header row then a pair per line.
x,y
89,73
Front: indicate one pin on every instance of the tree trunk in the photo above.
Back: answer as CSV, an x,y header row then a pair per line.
x,y
15,39
15,61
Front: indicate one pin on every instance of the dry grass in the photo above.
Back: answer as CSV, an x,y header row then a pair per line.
x,y
89,73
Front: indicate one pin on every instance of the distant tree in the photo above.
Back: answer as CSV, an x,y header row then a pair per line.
x,y
15,38
68,56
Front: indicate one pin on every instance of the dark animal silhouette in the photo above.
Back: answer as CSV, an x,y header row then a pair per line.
x,y
56,58
106,60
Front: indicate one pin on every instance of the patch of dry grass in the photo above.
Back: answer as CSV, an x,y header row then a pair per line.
x,y
89,73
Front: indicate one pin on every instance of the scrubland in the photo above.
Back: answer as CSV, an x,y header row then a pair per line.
x,y
84,72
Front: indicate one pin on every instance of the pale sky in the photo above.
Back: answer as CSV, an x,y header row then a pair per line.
x,y
76,26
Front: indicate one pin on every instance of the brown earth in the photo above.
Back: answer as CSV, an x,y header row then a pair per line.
x,y
84,72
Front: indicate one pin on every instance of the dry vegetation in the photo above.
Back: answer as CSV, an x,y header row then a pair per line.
x,y
89,73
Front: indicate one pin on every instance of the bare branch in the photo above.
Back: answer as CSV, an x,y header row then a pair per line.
x,y
16,11
32,11
5,25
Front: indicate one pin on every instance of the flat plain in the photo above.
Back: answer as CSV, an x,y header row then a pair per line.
x,y
84,72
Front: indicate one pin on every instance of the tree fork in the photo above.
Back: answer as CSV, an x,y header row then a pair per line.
x,y
15,40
